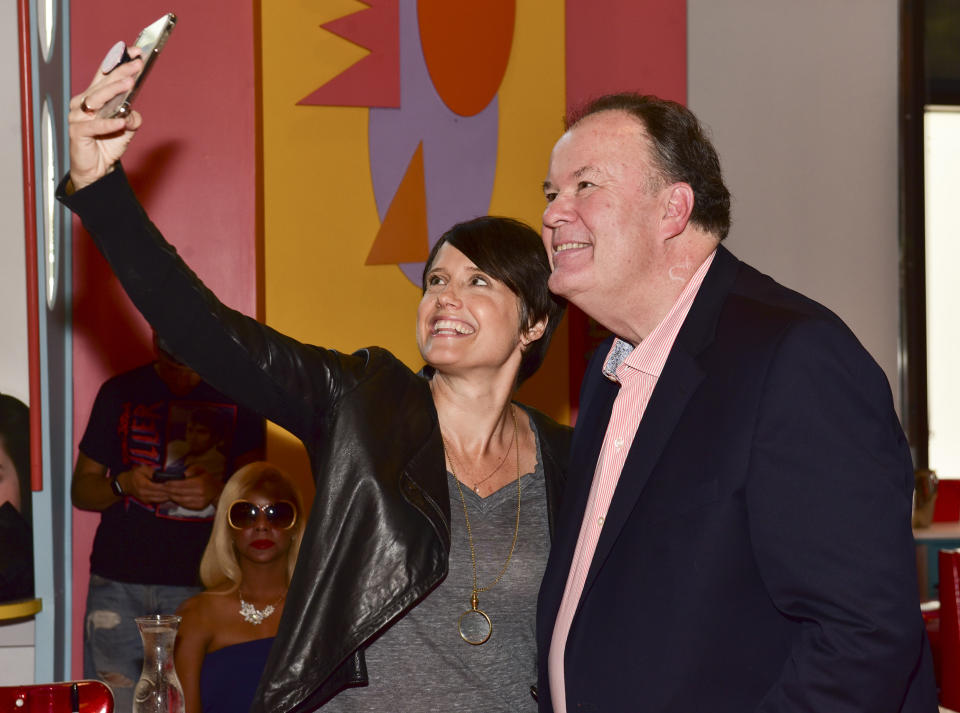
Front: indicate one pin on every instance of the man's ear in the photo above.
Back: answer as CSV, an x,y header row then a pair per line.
x,y
677,208
529,336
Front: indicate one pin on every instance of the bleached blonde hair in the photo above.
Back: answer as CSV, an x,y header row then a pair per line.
x,y
219,564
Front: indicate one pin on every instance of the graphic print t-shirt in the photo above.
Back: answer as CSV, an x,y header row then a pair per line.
x,y
137,419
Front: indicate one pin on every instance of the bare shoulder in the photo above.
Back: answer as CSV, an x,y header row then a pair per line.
x,y
194,606
203,612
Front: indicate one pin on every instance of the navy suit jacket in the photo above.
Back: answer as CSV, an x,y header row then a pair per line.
x,y
757,554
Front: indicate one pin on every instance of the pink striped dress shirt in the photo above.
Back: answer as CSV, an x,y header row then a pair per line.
x,y
637,371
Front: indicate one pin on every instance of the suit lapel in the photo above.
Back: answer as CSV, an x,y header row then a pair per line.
x,y
677,383
680,378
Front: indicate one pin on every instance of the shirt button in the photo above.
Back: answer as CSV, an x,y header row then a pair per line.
x,y
600,521
618,444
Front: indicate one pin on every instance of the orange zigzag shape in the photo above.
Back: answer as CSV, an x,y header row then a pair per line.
x,y
373,80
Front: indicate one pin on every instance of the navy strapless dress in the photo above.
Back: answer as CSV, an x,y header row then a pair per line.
x,y
230,676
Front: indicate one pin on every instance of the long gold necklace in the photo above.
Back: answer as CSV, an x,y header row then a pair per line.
x,y
475,610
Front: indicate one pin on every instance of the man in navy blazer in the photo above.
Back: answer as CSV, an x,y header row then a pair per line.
x,y
735,535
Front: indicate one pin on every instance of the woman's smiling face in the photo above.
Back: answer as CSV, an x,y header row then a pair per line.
x,y
466,318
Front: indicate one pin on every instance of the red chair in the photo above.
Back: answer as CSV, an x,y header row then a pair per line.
x,y
67,697
949,563
931,619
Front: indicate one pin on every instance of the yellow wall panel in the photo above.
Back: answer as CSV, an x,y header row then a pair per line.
x,y
320,216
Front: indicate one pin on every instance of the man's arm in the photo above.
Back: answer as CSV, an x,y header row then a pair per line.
x,y
90,488
828,502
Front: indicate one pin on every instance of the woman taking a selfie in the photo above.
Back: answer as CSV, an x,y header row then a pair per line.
x,y
417,581
227,630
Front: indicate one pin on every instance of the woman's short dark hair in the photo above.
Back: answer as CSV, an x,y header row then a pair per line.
x,y
15,440
680,147
513,253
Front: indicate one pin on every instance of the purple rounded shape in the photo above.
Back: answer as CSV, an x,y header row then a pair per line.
x,y
459,153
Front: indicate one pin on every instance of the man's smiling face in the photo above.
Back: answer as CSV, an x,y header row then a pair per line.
x,y
604,204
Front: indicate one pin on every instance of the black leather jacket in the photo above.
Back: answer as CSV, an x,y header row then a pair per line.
x,y
378,537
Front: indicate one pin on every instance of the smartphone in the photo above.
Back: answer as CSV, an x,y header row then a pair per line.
x,y
162,476
151,40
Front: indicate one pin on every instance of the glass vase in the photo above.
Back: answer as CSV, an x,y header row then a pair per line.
x,y
158,690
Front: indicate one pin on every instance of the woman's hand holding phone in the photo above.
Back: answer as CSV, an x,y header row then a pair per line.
x,y
98,143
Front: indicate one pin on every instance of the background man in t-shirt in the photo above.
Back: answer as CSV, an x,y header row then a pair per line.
x,y
152,531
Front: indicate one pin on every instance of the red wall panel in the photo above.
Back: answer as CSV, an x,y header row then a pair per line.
x,y
618,46
626,45
194,165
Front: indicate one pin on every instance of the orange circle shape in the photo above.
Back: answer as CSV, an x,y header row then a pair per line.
x,y
466,46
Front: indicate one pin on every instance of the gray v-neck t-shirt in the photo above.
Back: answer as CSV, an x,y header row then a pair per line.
x,y
421,664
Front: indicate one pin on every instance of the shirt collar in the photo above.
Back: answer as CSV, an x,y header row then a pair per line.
x,y
650,355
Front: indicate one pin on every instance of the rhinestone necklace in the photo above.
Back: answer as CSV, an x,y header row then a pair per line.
x,y
256,616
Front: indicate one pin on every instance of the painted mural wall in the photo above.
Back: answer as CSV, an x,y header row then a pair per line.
x,y
303,157
383,126
303,154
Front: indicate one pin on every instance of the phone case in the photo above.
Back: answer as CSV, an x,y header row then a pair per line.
x,y
151,40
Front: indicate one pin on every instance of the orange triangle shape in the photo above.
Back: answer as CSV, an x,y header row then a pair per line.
x,y
403,235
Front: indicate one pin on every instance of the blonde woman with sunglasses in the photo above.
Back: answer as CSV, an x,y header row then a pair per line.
x,y
227,630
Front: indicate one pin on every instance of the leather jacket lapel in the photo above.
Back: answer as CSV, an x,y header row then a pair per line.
x,y
423,482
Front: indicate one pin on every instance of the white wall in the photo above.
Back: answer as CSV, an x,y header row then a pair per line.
x,y
16,653
16,640
801,98
941,157
13,295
